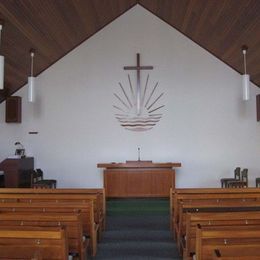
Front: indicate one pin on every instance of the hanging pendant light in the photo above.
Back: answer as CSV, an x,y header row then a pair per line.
x,y
2,59
31,78
245,77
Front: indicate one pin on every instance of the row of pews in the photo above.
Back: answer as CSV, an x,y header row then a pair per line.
x,y
50,223
216,223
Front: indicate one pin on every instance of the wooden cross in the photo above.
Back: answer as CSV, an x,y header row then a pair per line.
x,y
138,69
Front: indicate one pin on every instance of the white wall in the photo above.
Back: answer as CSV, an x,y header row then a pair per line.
x,y
206,126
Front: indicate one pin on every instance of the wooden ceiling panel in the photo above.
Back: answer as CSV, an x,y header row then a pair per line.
x,y
54,28
219,26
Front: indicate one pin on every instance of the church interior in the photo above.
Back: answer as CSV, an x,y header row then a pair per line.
x,y
129,129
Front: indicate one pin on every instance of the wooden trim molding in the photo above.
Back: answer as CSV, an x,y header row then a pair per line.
x,y
258,107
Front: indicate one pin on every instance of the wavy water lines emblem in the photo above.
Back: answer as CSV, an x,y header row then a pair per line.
x,y
138,109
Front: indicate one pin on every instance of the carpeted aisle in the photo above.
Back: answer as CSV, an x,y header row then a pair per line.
x,y
137,229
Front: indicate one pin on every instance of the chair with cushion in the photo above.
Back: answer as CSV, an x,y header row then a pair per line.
x,y
224,181
37,180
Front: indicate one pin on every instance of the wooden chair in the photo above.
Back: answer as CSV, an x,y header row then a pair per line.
x,y
37,180
242,183
224,181
257,182
244,176
237,184
35,177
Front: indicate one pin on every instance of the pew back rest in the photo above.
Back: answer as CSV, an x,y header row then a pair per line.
x,y
71,221
85,208
215,219
87,211
192,193
210,237
35,198
77,195
100,192
30,242
244,252
224,206
178,195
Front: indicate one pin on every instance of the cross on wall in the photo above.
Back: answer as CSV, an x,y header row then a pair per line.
x,y
138,69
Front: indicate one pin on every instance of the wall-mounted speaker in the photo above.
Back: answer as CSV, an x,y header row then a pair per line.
x,y
13,110
258,107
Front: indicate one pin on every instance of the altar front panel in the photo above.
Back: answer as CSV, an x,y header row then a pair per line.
x,y
138,182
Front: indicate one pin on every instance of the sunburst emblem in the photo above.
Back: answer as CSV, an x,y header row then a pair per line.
x,y
139,108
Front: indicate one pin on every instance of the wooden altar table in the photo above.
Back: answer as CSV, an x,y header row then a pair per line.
x,y
138,179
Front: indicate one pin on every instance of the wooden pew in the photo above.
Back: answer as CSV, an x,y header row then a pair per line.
x,y
86,208
204,206
71,221
33,243
97,195
211,194
209,238
57,198
244,252
214,219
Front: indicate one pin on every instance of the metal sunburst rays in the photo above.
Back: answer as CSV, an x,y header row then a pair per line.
x,y
135,118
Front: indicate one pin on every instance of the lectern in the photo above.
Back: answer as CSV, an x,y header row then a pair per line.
x,y
138,179
17,172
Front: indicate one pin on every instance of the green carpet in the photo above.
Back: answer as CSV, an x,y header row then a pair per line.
x,y
137,229
132,207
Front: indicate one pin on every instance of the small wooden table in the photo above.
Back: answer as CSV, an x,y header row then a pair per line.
x,y
138,179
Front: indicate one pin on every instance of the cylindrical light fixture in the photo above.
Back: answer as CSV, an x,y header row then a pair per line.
x,y
2,60
31,95
245,77
31,78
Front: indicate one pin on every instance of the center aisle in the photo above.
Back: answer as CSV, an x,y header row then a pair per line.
x,y
137,229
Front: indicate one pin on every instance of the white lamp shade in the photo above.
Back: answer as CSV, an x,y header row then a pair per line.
x,y
2,59
245,80
31,92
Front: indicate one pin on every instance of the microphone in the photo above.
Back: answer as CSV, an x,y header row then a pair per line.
x,y
138,153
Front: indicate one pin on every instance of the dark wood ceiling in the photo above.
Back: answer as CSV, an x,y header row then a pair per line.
x,y
55,27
